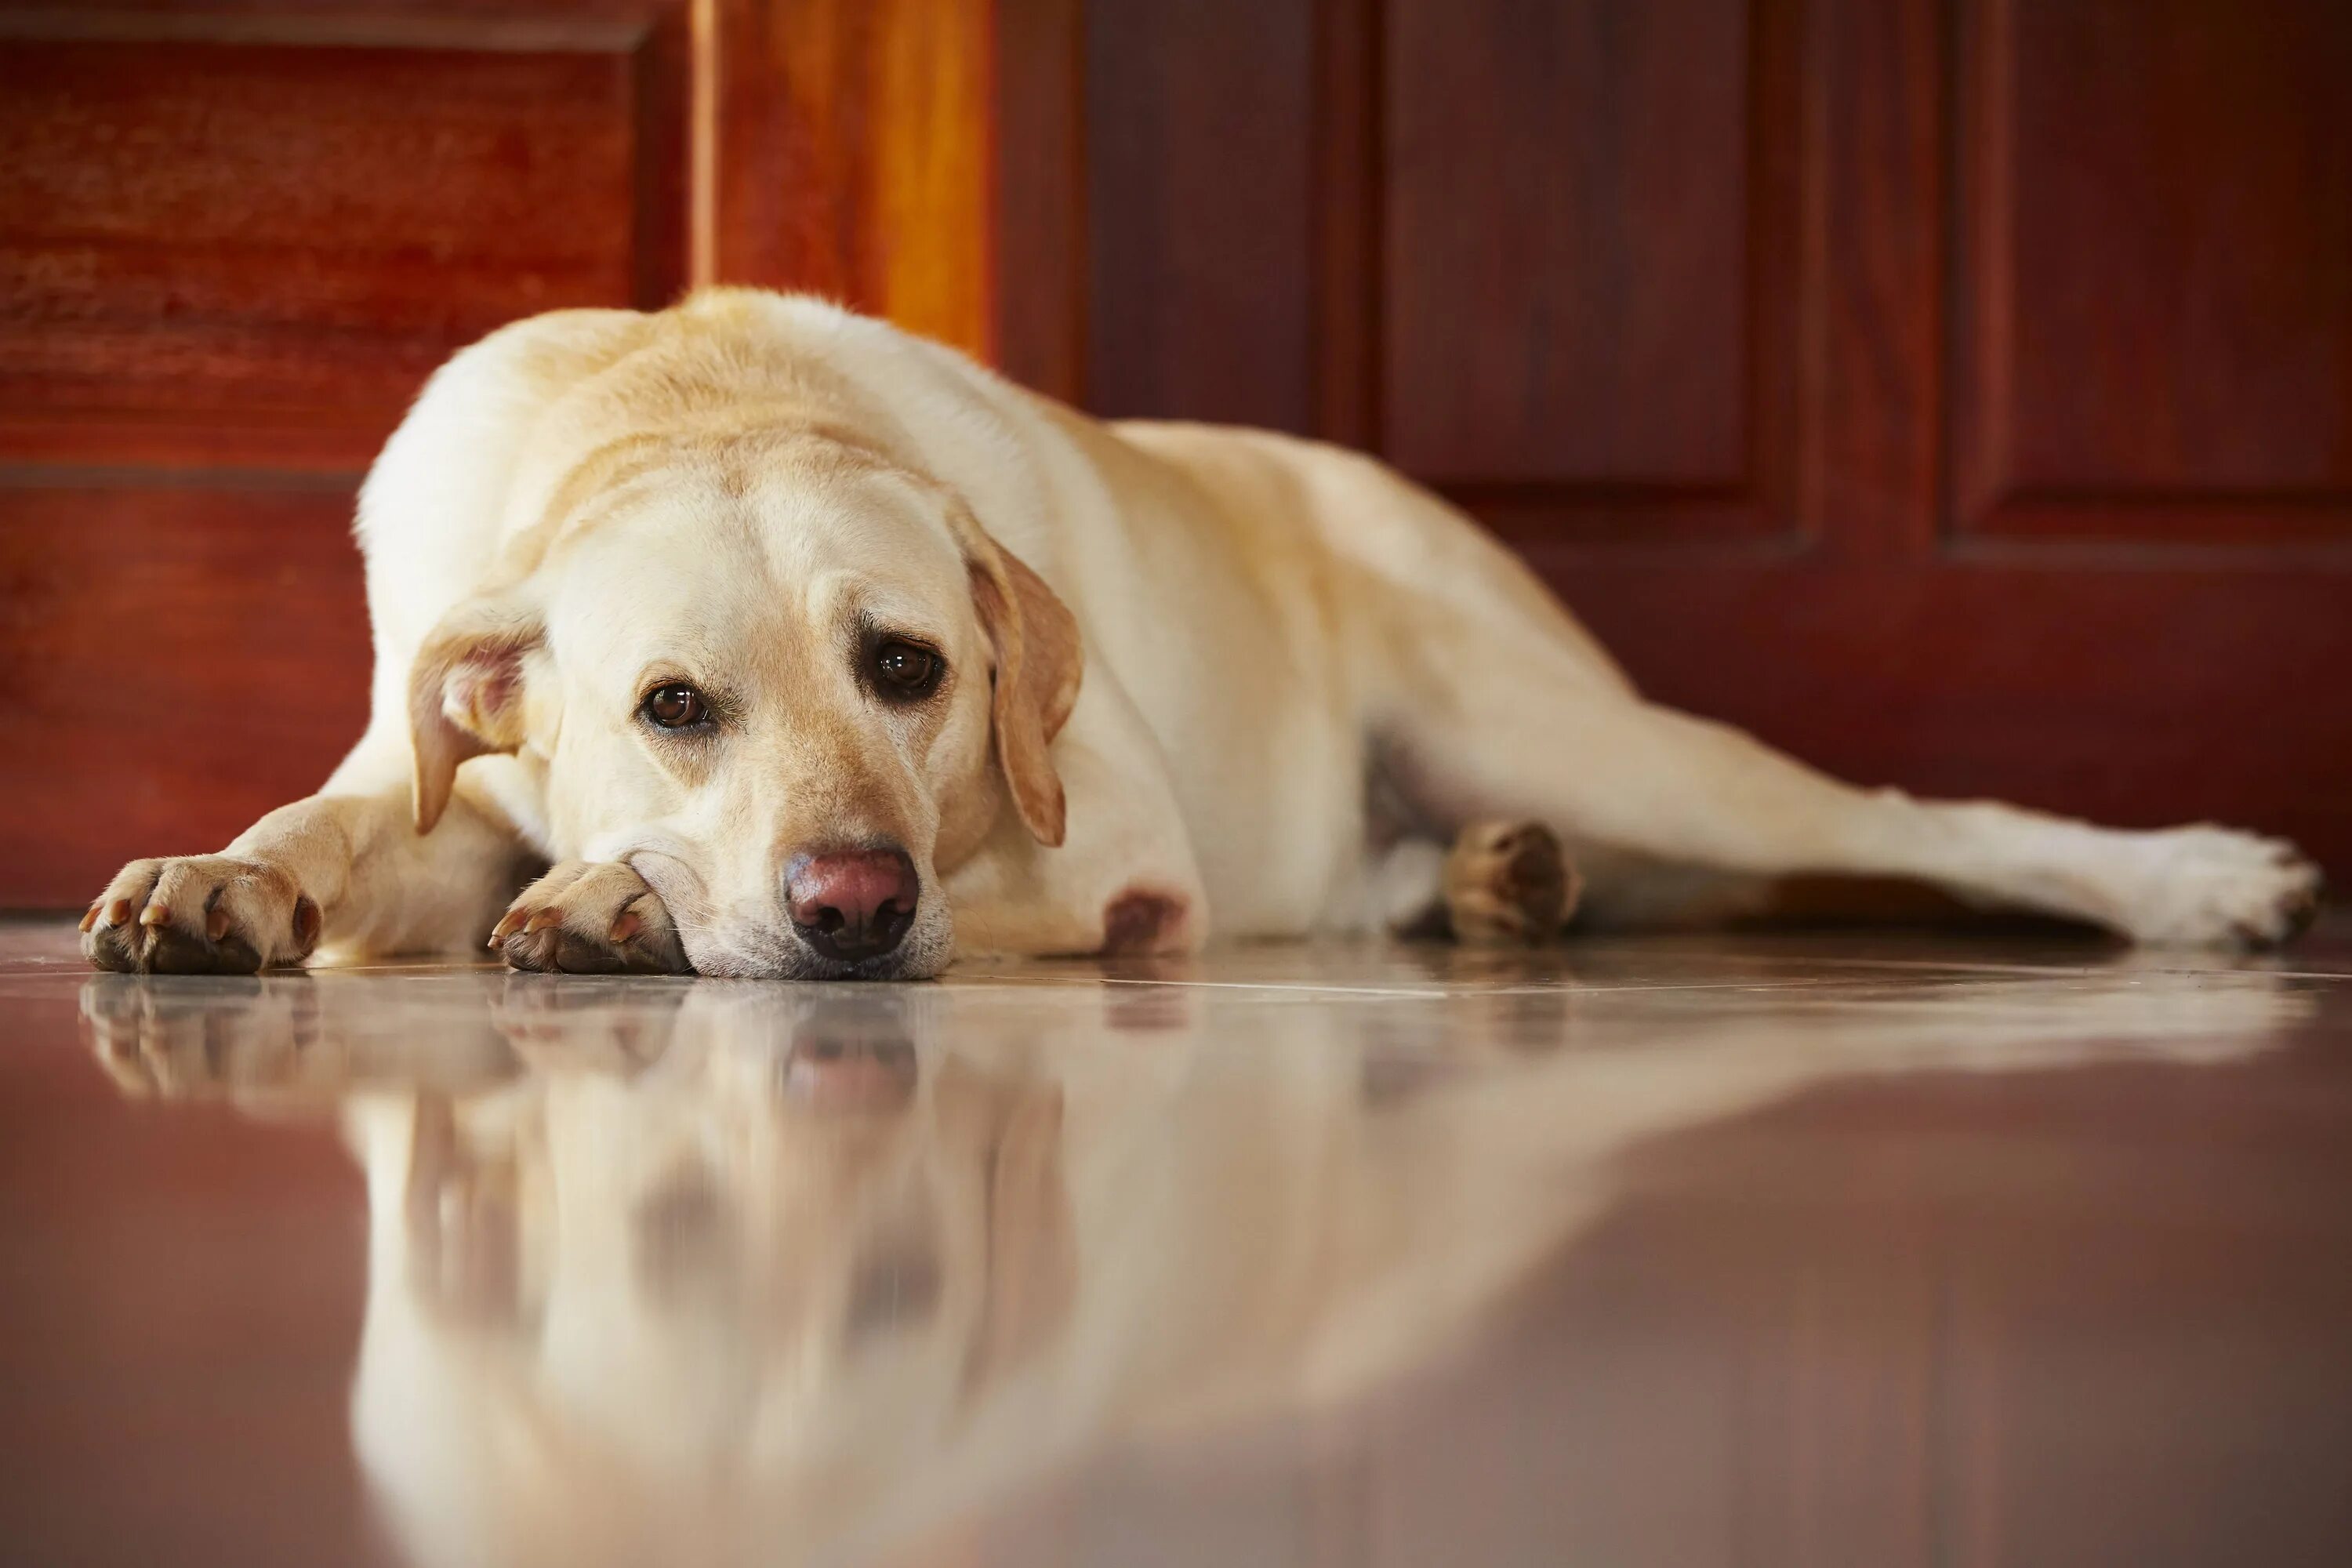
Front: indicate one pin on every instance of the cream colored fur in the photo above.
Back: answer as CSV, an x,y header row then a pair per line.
x,y
587,500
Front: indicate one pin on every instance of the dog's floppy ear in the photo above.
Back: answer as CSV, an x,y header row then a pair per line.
x,y
465,695
1038,665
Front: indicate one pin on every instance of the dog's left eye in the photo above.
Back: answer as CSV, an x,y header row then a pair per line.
x,y
677,705
904,672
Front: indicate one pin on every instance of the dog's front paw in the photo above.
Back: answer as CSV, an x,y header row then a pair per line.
x,y
1508,882
2216,886
199,914
591,918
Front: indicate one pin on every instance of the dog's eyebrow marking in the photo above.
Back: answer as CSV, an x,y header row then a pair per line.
x,y
604,472
867,626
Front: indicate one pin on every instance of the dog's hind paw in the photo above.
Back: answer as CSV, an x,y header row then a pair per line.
x,y
591,918
199,914
1506,883
2216,886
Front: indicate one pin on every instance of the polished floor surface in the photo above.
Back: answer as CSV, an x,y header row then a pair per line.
x,y
1804,1250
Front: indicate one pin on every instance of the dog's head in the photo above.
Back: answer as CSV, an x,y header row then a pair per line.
x,y
785,677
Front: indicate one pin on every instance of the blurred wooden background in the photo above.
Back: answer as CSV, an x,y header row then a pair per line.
x,y
1957,392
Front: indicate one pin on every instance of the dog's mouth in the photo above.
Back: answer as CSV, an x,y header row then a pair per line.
x,y
895,965
763,944
761,954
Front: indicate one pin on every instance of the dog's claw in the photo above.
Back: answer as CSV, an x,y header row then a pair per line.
x,y
585,917
527,949
229,913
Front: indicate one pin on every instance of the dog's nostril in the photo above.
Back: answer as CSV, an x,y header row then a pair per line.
x,y
853,904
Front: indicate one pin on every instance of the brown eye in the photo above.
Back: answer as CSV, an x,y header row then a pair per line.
x,y
676,707
905,671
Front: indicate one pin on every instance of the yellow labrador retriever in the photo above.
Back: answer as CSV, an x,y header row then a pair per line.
x,y
804,648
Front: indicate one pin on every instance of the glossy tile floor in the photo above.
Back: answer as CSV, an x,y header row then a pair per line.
x,y
1808,1250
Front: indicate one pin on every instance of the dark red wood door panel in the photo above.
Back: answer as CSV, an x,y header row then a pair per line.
x,y
1568,190
252,245
233,241
2153,289
181,659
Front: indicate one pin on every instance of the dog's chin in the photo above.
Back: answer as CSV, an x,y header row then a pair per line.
x,y
758,953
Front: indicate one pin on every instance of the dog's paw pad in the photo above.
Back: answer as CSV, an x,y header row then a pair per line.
x,y
2216,886
199,914
1508,883
586,918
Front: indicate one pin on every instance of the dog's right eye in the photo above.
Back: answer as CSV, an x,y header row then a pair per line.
x,y
677,705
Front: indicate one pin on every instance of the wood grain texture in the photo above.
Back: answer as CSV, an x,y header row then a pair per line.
x,y
1040,239
217,1210
1927,1321
1876,142
269,240
1350,40
1567,190
1199,139
854,157
1388,266
181,660
2154,300
1611,351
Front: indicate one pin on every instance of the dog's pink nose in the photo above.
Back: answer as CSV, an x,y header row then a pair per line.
x,y
851,904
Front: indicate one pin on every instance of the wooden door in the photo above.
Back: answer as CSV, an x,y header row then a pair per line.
x,y
1957,394
236,236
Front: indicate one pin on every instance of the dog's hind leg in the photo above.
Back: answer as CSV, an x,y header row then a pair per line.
x,y
1481,699
1625,781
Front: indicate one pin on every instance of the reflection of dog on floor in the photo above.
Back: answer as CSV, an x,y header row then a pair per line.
x,y
711,1275
807,648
